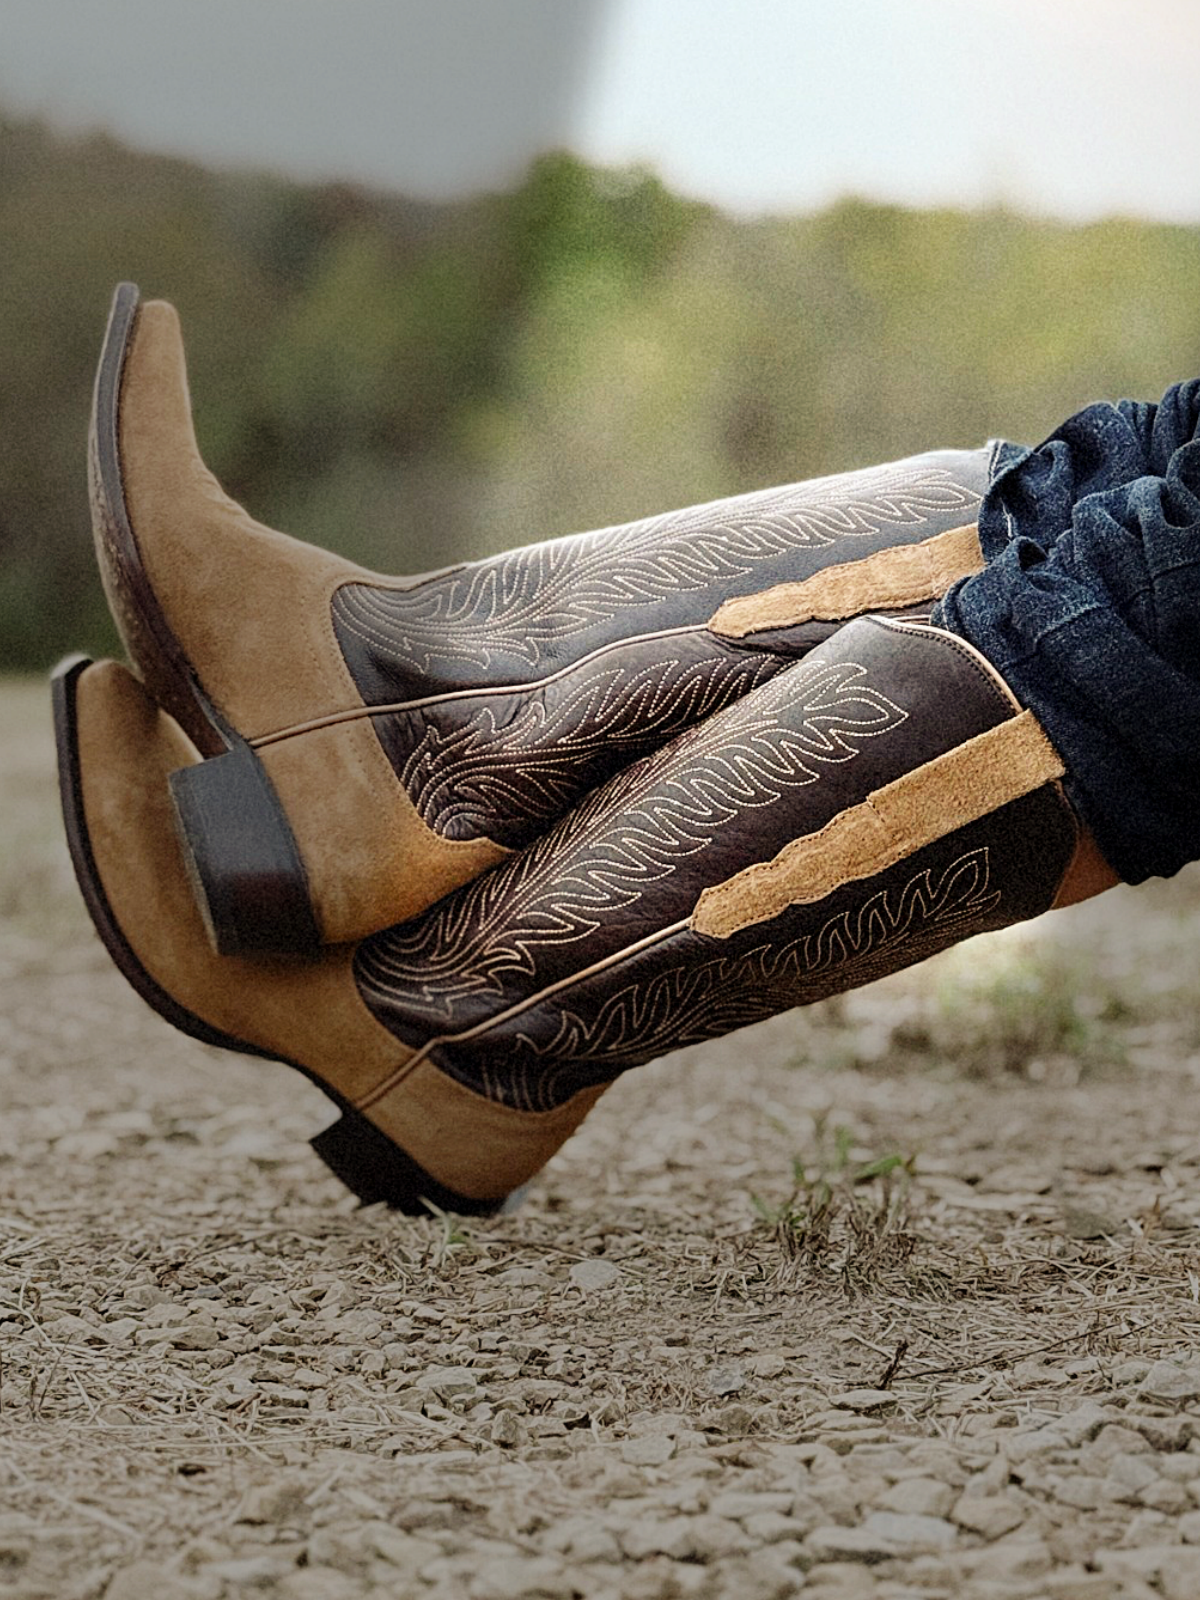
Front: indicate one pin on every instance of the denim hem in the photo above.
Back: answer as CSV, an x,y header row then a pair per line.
x,y
1089,607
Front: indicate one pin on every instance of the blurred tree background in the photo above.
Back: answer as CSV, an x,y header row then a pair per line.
x,y
415,384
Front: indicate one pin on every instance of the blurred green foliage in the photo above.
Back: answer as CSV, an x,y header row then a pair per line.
x,y
415,384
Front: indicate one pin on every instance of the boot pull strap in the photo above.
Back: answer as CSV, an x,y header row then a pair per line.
x,y
926,804
886,581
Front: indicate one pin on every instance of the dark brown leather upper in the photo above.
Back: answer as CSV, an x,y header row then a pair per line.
x,y
520,682
574,960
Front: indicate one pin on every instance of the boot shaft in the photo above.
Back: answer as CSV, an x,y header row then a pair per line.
x,y
669,907
506,689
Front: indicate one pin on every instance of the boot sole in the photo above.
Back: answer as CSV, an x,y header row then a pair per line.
x,y
245,867
370,1164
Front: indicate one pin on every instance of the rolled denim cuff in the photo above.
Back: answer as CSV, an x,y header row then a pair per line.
x,y
1089,607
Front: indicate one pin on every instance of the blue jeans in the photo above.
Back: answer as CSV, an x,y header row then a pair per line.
x,y
1090,609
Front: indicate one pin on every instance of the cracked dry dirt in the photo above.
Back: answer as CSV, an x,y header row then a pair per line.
x,y
683,1367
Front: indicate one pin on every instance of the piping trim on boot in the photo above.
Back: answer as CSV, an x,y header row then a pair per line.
x,y
356,713
568,982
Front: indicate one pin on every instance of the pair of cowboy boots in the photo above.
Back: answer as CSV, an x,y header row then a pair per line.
x,y
603,796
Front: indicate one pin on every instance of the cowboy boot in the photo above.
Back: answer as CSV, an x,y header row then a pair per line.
x,y
373,742
873,804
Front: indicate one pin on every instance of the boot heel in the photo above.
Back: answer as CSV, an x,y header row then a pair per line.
x,y
241,857
376,1170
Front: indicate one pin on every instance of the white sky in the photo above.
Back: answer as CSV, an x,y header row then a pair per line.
x,y
1073,107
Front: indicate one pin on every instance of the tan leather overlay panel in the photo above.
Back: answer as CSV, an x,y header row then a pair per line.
x,y
902,576
924,805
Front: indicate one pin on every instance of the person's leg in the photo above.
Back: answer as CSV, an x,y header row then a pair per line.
x,y
1090,609
880,800
378,741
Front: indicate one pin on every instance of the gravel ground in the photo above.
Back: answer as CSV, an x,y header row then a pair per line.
x,y
897,1297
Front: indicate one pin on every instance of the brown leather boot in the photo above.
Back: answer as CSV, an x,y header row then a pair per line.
x,y
373,742
875,803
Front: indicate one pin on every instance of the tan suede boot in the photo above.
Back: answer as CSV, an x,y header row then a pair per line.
x,y
373,742
873,804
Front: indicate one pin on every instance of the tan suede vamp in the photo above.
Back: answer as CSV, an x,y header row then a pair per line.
x,y
249,606
308,1012
475,1146
250,609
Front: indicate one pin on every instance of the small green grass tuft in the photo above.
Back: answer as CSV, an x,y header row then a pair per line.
x,y
846,1217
